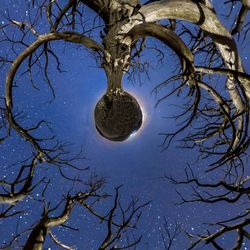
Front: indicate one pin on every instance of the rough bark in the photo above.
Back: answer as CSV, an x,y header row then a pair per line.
x,y
200,15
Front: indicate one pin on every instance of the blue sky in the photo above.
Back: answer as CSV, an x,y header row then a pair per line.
x,y
138,163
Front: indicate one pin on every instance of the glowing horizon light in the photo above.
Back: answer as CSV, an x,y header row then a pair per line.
x,y
133,134
145,117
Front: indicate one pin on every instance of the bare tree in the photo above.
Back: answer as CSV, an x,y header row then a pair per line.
x,y
170,237
218,122
124,25
215,192
119,220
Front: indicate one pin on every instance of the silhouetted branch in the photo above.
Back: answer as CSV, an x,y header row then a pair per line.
x,y
221,191
11,196
169,235
129,217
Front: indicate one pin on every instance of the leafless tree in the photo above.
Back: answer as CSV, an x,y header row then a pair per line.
x,y
170,237
217,116
119,219
215,192
124,24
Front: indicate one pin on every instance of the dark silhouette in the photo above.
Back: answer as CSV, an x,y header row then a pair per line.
x,y
215,119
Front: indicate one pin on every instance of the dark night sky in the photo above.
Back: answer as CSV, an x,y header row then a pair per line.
x,y
138,163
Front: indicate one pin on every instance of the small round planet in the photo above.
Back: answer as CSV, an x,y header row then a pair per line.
x,y
117,115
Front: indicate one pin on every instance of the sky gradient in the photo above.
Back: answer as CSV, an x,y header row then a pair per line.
x,y
139,163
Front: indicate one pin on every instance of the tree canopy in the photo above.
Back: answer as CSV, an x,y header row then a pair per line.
x,y
214,121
